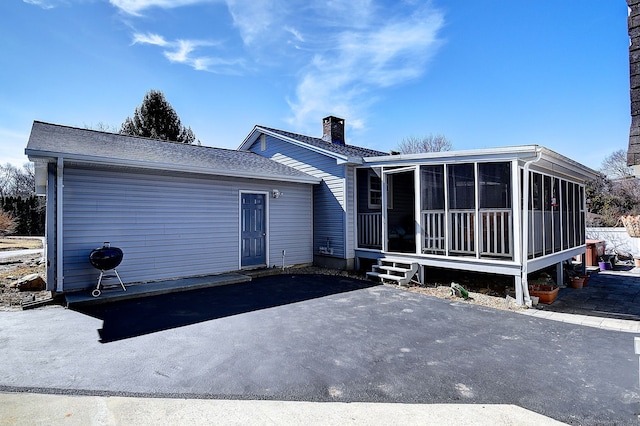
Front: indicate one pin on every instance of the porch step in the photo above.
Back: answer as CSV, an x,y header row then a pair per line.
x,y
393,268
397,271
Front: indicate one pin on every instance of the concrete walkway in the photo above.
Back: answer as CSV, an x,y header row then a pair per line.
x,y
25,409
610,301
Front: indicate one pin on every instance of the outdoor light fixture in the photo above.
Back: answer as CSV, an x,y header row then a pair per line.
x,y
276,193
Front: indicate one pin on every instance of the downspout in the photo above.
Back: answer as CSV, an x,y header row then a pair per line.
x,y
524,253
59,230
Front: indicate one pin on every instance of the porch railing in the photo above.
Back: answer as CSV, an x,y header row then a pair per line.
x,y
433,230
462,231
370,230
495,226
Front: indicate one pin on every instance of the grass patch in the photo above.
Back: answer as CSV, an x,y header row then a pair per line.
x,y
17,243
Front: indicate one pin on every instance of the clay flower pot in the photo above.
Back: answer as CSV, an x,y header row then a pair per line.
x,y
586,280
546,293
577,282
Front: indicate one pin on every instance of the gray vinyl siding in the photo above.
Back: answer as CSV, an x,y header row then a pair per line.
x,y
350,234
171,225
329,198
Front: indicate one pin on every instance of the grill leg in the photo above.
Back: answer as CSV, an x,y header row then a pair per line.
x,y
97,292
123,287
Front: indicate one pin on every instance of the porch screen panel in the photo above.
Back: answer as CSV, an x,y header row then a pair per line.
x,y
536,221
369,203
577,190
580,196
547,204
496,223
461,187
556,202
565,214
571,214
432,209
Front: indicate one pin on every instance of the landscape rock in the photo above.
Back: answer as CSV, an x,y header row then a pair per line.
x,y
31,282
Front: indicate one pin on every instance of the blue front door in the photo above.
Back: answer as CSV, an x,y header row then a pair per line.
x,y
253,230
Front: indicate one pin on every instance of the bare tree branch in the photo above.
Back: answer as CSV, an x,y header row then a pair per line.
x,y
429,143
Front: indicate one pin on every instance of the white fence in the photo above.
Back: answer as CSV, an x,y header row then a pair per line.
x,y
617,240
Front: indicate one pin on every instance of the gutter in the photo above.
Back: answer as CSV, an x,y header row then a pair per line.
x,y
88,159
524,253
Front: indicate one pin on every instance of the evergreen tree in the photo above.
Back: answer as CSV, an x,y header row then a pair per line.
x,y
155,118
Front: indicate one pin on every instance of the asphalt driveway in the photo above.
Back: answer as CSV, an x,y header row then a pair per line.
x,y
318,338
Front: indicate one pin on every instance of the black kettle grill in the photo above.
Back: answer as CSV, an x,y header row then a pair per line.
x,y
105,258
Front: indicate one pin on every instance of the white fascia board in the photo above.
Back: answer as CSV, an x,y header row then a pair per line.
x,y
171,167
451,157
351,161
552,159
249,140
568,164
341,159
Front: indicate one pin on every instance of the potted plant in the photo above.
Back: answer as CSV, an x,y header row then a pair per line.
x,y
577,282
603,263
577,279
544,289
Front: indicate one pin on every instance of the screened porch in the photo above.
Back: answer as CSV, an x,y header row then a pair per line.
x,y
466,210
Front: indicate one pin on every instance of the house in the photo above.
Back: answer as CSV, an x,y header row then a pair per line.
x,y
180,210
463,210
174,209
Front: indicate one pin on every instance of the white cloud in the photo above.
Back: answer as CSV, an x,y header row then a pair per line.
x,y
135,7
343,53
149,38
343,78
183,52
256,20
46,4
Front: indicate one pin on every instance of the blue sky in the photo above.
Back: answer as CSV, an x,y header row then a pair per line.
x,y
484,73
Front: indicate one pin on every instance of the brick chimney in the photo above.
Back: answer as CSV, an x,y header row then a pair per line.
x,y
333,130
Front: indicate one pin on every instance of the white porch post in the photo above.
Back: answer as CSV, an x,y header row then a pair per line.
x,y
476,222
419,238
524,297
516,208
383,201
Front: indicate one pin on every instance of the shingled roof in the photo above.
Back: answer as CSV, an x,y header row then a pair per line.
x,y
346,150
51,141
